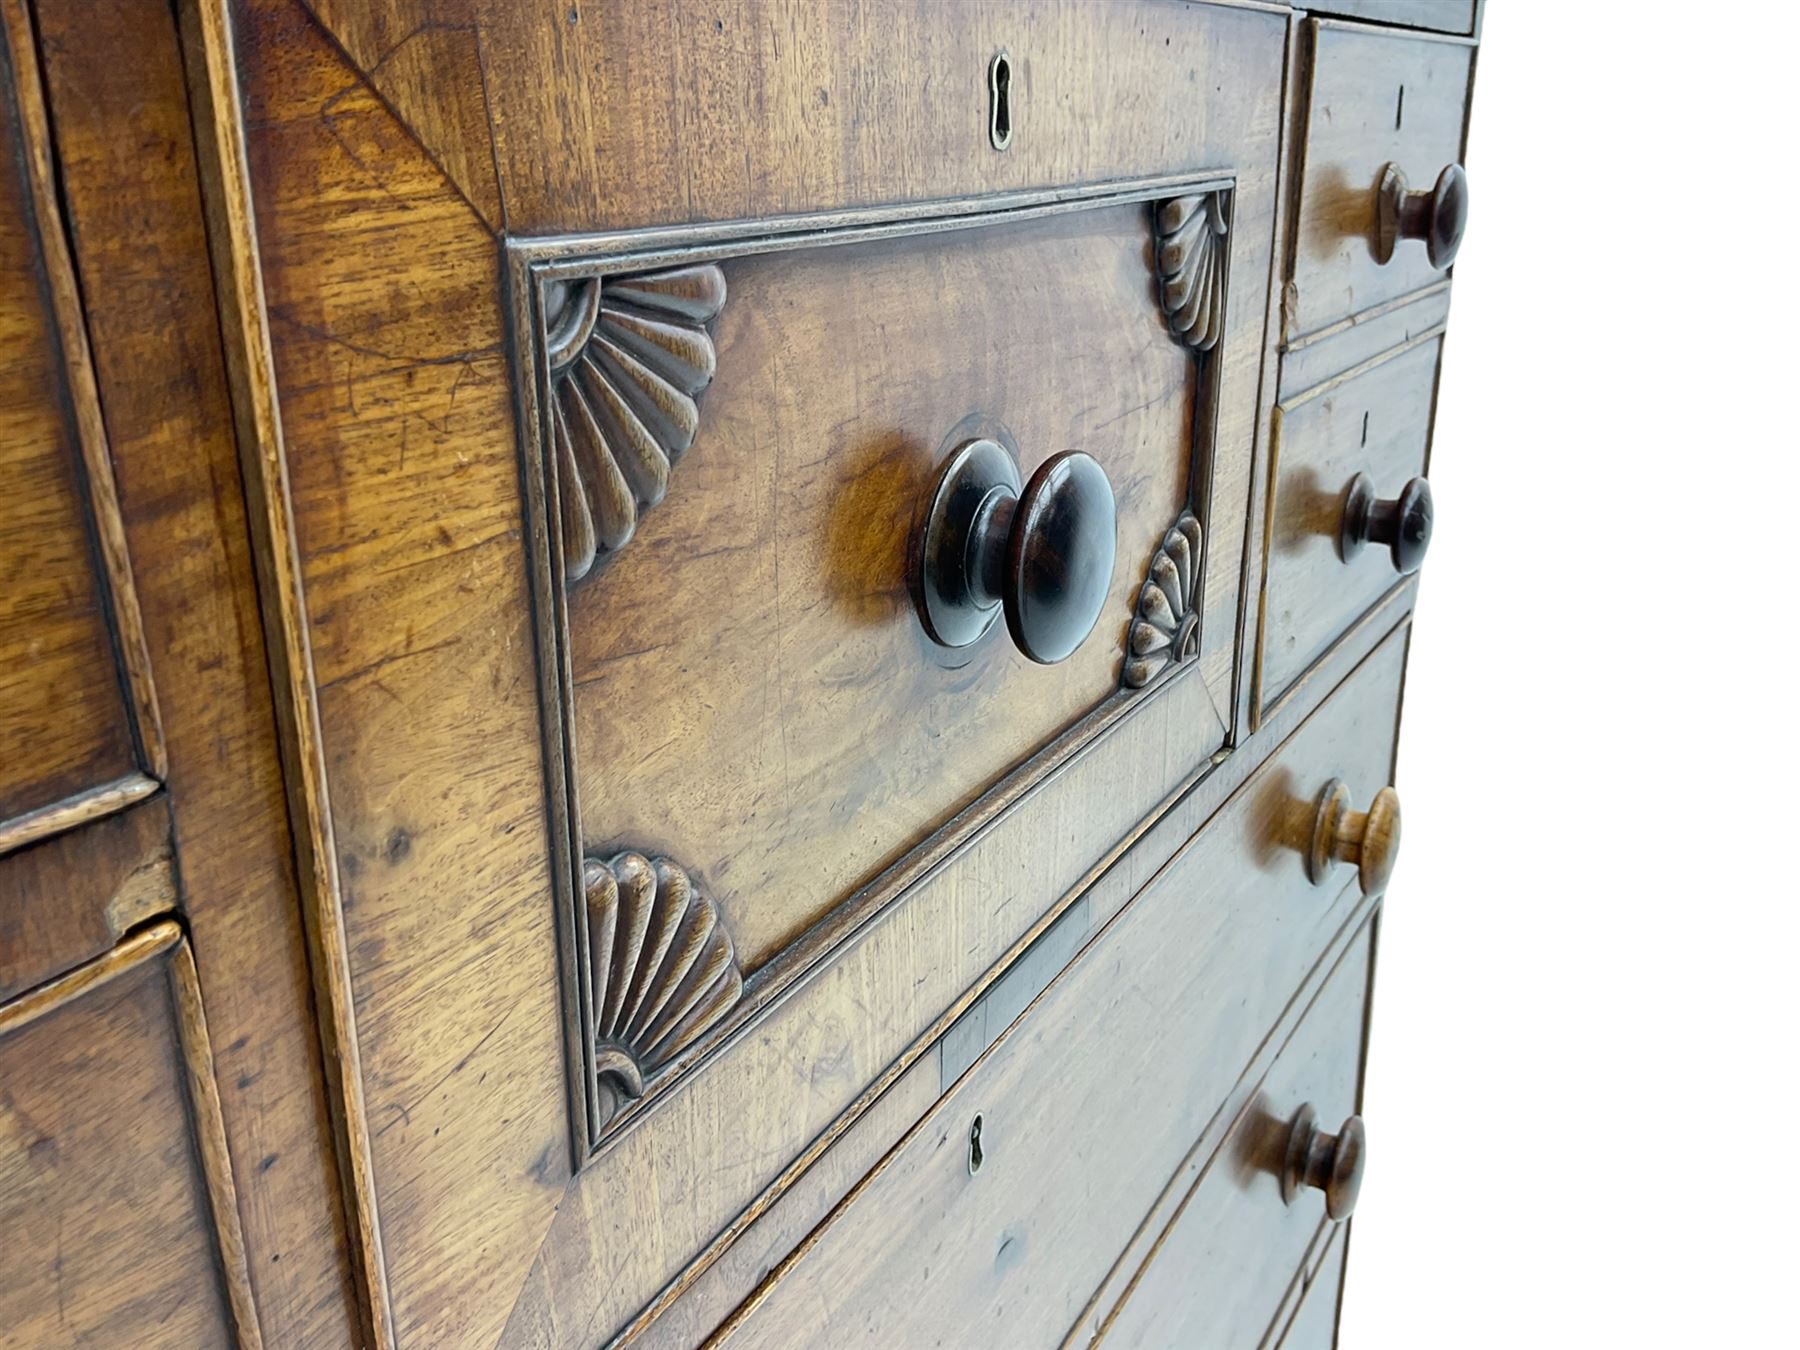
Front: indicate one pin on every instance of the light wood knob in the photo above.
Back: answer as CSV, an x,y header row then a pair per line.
x,y
1369,839
1332,1163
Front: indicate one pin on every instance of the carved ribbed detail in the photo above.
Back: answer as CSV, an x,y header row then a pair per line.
x,y
1190,263
628,356
661,971
1167,627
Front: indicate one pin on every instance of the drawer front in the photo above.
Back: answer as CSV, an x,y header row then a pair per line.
x,y
1107,1081
115,1190
1446,16
1377,97
1314,1323
1374,422
711,828
1221,1271
78,729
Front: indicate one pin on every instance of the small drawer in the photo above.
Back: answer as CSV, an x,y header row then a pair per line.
x,y
1223,1272
1444,16
1349,510
1112,1075
1384,122
116,1200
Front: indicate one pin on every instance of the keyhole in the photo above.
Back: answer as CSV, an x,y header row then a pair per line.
x,y
1000,100
975,1157
1365,435
1400,107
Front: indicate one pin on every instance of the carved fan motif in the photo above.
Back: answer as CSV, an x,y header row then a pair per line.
x,y
1166,630
627,357
661,971
1190,261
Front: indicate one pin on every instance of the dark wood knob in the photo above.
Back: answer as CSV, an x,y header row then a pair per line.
x,y
1403,524
1369,839
1438,215
1332,1163
1042,555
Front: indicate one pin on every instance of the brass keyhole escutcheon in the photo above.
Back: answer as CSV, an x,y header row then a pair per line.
x,y
975,1155
1000,121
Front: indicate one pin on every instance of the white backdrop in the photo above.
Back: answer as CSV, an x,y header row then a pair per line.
x,y
1581,1095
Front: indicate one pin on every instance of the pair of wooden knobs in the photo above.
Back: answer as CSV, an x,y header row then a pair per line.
x,y
1437,216
1370,842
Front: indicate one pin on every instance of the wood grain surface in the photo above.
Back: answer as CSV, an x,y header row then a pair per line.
x,y
1219,1271
66,706
1373,419
753,692
923,1243
1377,96
396,425
553,118
107,1163
138,237
66,899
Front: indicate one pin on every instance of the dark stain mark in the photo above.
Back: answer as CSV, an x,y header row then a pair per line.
x,y
543,1167
1010,1253
398,845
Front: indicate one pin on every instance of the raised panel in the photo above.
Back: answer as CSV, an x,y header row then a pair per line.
x,y
77,718
115,1193
753,694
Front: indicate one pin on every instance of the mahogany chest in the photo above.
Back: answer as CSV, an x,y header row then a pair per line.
x,y
717,672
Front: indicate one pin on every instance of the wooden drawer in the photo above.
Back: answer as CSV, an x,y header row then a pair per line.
x,y
1376,97
1446,16
1179,992
1374,422
79,732
1312,1321
667,690
1223,1266
116,1196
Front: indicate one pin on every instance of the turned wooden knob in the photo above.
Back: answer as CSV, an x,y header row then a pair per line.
x,y
1042,555
1438,215
1332,1163
1403,524
1369,839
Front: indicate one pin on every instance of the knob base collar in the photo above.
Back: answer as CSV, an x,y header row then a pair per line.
x,y
958,598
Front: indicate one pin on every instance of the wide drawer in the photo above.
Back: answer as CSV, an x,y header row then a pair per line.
x,y
1223,1269
1106,1082
650,804
1377,98
1312,1322
1343,454
116,1198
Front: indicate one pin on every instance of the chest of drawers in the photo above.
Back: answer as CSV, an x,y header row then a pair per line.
x,y
705,673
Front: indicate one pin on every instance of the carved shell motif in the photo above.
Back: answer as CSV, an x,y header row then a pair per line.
x,y
627,357
1166,630
1190,262
661,971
